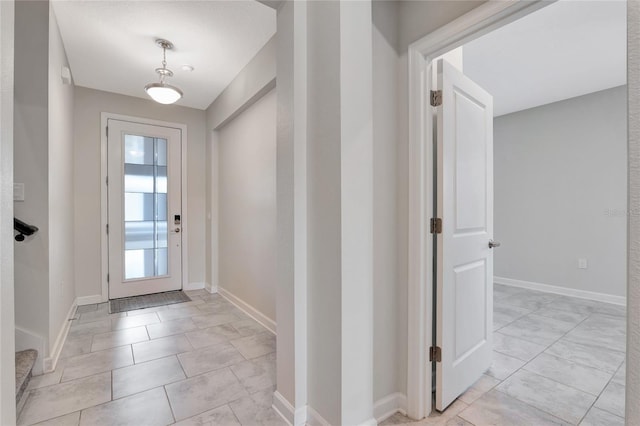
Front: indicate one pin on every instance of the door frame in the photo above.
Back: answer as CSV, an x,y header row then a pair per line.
x,y
104,240
479,21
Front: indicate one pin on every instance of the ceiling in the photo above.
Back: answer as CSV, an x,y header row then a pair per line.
x,y
566,49
111,44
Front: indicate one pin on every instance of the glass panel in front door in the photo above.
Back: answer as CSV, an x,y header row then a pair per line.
x,y
145,207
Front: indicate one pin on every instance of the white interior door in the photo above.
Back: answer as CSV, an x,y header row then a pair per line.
x,y
144,208
464,265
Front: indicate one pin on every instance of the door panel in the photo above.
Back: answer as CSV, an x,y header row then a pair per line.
x,y
144,201
464,261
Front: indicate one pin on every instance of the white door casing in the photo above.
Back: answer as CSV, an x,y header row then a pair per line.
x,y
421,55
144,242
464,260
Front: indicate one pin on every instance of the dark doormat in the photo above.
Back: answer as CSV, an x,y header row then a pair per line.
x,y
147,301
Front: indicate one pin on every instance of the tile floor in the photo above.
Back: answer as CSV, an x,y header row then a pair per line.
x,y
202,362
557,361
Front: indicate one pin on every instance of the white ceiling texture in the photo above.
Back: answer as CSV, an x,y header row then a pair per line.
x,y
111,44
566,49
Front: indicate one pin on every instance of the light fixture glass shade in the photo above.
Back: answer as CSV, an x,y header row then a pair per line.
x,y
163,93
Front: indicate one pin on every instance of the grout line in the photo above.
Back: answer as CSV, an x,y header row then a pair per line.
x,y
546,348
597,398
164,387
534,407
182,367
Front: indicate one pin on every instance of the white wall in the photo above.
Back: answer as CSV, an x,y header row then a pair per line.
x,y
89,104
61,198
561,193
7,319
247,206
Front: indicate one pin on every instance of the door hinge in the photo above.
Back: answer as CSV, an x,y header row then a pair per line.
x,y
435,354
106,180
436,225
107,277
106,130
107,229
436,98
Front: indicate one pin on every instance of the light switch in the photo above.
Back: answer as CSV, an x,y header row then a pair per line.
x,y
18,192
582,263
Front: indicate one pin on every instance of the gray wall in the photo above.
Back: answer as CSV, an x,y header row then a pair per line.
x,y
323,204
561,191
251,83
632,414
31,164
256,79
386,351
89,104
247,206
7,318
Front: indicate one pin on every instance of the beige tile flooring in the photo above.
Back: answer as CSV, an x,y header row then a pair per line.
x,y
202,362
557,361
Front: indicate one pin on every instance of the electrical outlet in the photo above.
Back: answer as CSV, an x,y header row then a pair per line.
x,y
582,263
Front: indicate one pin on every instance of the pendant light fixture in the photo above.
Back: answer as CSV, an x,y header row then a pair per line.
x,y
162,92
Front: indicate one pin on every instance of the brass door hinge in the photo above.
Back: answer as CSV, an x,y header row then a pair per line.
x,y
436,98
436,225
435,354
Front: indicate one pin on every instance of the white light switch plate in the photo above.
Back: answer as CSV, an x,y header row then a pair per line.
x,y
18,192
582,263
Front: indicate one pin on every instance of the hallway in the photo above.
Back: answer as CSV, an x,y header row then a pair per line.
x,y
194,363
557,360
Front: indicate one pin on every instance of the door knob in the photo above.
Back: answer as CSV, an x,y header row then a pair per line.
x,y
177,229
493,244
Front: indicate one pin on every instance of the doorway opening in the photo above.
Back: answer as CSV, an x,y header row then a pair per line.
x,y
575,304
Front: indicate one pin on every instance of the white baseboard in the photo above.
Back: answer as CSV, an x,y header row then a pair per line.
x,y
194,286
268,323
89,300
582,294
287,412
26,339
211,288
51,362
389,405
315,419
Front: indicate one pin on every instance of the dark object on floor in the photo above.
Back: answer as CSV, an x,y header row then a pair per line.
x,y
147,301
25,360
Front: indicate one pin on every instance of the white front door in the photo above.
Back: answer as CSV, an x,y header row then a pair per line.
x,y
464,265
144,208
